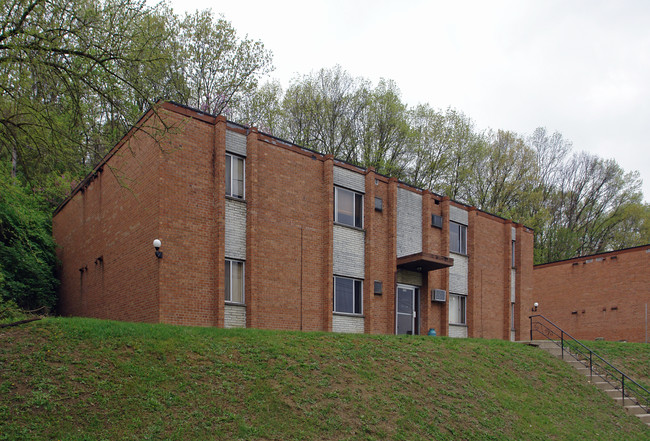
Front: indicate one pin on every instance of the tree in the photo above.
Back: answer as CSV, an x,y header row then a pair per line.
x,y
590,203
383,131
218,67
261,108
443,149
64,70
322,111
75,75
503,176
27,256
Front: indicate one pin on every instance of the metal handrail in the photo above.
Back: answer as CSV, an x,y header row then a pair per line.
x,y
568,343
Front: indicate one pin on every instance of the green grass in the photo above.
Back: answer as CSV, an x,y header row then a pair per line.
x,y
633,359
84,379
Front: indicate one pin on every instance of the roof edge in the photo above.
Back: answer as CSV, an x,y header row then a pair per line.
x,y
211,119
589,256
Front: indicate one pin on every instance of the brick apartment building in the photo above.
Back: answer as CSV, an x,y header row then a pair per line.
x,y
261,233
601,296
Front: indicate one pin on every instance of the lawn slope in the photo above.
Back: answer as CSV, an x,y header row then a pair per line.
x,y
633,359
92,379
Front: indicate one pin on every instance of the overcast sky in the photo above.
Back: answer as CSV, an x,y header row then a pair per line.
x,y
578,67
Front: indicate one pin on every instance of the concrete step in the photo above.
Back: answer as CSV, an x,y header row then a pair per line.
x,y
629,404
628,401
614,393
577,364
645,418
602,385
636,410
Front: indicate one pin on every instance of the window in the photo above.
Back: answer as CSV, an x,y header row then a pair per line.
x,y
234,281
512,316
513,254
457,309
347,295
234,176
457,238
348,207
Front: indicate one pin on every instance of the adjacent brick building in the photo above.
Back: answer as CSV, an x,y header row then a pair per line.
x,y
601,296
261,233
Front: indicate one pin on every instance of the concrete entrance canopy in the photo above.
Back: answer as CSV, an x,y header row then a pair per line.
x,y
424,262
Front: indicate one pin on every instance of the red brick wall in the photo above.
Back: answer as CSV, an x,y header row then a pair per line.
x,y
489,250
524,281
380,260
434,241
605,298
108,229
288,218
190,178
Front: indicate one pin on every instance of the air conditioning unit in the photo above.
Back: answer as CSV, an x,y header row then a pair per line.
x,y
438,295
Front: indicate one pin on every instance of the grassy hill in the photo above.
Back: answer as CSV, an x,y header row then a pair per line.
x,y
631,358
84,379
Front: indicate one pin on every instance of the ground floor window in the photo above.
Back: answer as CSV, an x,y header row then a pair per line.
x,y
457,309
347,295
234,281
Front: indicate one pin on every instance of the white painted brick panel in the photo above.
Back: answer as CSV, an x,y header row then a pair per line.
x,y
234,316
347,324
235,240
349,179
457,331
349,252
409,277
458,275
458,215
235,143
409,222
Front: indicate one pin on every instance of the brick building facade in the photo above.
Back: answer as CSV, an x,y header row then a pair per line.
x,y
601,296
261,233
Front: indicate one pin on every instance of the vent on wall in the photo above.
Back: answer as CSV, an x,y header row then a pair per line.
x,y
438,295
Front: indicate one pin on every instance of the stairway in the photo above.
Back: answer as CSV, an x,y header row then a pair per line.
x,y
613,391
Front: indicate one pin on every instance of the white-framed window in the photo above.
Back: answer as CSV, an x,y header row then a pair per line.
x,y
348,295
234,176
348,207
457,309
457,238
513,254
234,281
512,316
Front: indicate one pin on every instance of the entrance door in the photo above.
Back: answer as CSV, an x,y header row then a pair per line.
x,y
406,309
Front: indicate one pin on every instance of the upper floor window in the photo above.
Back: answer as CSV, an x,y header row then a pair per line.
x,y
234,281
457,238
512,255
347,295
234,176
348,207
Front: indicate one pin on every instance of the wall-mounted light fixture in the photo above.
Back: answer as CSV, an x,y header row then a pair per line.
x,y
156,245
534,308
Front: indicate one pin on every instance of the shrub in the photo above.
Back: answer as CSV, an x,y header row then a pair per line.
x,y
27,249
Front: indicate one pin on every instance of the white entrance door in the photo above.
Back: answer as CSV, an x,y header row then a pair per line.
x,y
406,309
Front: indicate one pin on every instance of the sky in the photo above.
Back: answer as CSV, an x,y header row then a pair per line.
x,y
581,68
